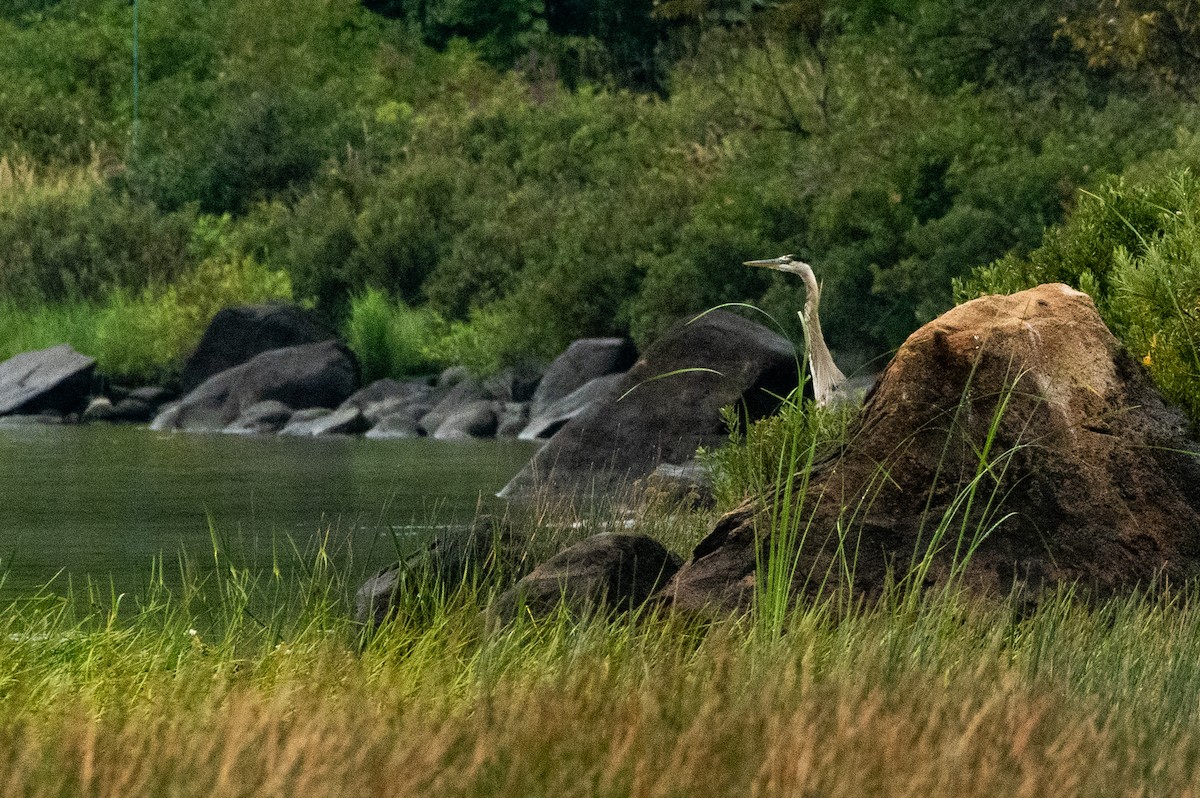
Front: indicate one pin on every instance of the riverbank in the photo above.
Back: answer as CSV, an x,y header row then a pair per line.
x,y
944,697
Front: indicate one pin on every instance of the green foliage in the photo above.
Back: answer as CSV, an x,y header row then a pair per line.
x,y
390,338
894,146
145,334
1157,296
762,456
1133,247
65,234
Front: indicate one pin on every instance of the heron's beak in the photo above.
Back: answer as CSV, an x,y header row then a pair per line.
x,y
769,263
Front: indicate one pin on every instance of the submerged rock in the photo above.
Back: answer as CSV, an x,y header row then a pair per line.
x,y
1080,474
343,421
262,418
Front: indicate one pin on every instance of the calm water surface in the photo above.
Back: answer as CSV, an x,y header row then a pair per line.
x,y
100,502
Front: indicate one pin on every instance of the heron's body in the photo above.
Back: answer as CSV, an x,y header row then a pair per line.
x,y
828,381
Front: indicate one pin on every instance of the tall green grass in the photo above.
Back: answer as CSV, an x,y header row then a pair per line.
x,y
390,338
961,697
143,336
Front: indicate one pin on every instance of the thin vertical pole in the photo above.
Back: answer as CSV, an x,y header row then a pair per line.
x,y
134,133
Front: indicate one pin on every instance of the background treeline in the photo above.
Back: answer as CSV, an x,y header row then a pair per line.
x,y
459,180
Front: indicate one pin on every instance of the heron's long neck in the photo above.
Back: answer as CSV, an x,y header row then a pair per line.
x,y
826,376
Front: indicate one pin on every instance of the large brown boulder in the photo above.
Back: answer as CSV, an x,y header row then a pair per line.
x,y
666,406
1082,475
239,333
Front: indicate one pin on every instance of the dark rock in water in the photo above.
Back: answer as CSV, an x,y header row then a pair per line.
x,y
152,395
583,361
475,420
132,410
343,421
99,409
602,573
650,418
556,415
398,425
55,380
487,550
315,375
127,407
262,418
235,335
1087,477
465,392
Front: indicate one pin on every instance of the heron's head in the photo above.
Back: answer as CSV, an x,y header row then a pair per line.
x,y
784,263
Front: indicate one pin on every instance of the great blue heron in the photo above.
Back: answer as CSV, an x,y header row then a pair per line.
x,y
827,379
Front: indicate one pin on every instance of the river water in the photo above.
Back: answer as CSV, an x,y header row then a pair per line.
x,y
103,502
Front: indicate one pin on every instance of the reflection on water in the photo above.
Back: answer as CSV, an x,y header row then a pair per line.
x,y
99,501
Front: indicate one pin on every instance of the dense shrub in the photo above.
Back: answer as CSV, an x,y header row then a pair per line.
x,y
65,234
390,338
1134,246
894,149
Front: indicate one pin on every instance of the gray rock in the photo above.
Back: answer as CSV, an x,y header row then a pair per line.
x,y
688,483
235,335
649,418
453,376
486,550
310,414
554,417
343,421
387,396
475,420
263,418
315,375
512,418
583,361
603,573
168,416
516,384
99,409
397,425
464,392
57,379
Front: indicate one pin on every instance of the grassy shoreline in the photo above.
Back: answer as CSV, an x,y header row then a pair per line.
x,y
959,696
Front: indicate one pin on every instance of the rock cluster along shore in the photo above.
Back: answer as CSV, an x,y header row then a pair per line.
x,y
609,414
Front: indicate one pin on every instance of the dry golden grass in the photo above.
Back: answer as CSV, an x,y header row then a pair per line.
x,y
957,701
